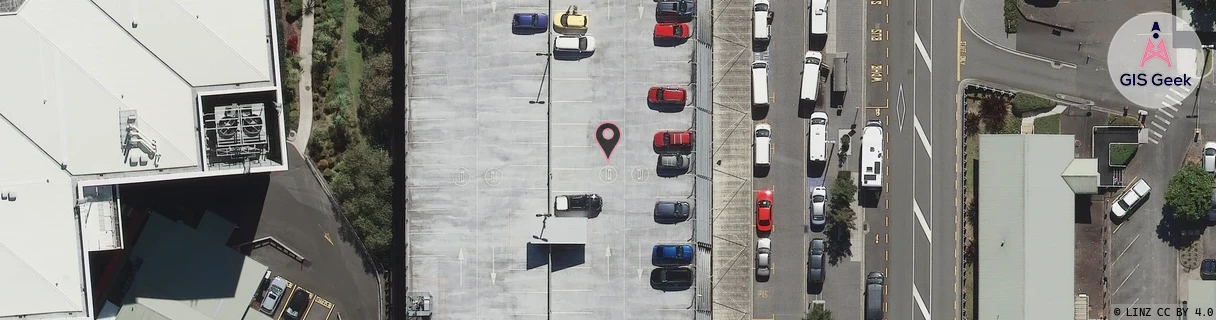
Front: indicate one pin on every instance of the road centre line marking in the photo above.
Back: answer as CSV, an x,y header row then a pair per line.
x,y
920,132
920,303
923,53
920,217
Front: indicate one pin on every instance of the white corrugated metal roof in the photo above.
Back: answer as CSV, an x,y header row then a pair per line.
x,y
75,70
40,259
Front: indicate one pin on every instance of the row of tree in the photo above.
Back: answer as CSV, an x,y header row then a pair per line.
x,y
361,178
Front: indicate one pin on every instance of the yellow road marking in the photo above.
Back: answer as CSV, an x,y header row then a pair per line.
x,y
958,51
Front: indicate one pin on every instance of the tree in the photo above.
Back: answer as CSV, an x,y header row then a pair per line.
x,y
993,111
841,217
818,313
375,109
363,186
971,123
1189,192
373,24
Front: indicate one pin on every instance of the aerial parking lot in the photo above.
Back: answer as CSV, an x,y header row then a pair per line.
x,y
499,128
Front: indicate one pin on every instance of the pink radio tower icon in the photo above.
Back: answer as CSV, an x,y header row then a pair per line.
x,y
1156,51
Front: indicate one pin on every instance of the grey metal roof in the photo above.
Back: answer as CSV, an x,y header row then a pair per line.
x,y
1026,227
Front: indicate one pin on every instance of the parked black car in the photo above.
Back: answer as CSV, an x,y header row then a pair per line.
x,y
671,211
814,262
671,279
874,283
680,8
1207,270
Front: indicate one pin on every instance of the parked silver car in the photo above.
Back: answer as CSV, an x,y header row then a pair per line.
x,y
764,252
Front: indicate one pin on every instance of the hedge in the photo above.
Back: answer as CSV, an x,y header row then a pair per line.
x,y
1023,103
1121,153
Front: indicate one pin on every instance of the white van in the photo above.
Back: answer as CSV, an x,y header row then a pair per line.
x,y
760,26
819,17
810,79
760,84
763,150
817,140
871,155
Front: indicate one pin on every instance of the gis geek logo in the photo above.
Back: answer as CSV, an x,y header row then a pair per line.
x,y
1152,60
1157,51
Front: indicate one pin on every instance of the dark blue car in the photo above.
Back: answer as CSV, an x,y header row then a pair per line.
x,y
672,255
531,21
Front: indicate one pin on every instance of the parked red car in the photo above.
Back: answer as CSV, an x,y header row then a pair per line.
x,y
764,211
668,95
670,30
673,138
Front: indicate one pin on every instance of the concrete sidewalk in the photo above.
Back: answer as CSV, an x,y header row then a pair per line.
x,y
1028,122
304,87
986,18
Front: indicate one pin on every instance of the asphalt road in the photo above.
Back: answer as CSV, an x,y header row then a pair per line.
x,y
921,113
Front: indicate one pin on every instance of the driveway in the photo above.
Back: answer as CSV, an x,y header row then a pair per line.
x,y
291,207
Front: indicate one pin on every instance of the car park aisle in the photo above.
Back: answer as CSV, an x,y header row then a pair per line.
x,y
609,277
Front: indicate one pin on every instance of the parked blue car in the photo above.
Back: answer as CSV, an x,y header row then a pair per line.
x,y
672,255
531,21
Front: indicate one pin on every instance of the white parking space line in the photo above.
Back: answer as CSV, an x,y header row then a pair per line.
x,y
920,217
1167,122
426,30
920,303
920,132
1159,126
1129,276
571,146
1129,246
923,53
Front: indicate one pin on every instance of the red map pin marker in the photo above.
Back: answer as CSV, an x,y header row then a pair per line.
x,y
607,134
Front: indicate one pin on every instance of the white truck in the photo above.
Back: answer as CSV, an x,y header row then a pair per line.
x,y
816,142
871,155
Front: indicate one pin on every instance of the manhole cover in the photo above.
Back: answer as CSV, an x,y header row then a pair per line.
x,y
493,177
608,174
640,174
461,176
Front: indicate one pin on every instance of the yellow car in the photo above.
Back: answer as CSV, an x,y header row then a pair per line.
x,y
571,20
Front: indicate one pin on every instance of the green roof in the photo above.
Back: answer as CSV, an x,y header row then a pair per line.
x,y
1026,234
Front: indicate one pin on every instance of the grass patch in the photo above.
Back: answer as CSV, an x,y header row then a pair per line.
x,y
1124,121
1047,125
1013,16
1122,153
352,53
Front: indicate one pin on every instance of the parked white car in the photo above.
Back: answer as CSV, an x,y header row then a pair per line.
x,y
764,251
574,43
1209,157
1132,197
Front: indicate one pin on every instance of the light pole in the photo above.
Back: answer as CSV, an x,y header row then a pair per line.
x,y
543,76
543,223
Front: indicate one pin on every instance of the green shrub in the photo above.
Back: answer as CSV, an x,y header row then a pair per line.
x,y
1124,121
1121,153
1013,16
1013,125
1047,125
1189,192
1023,103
